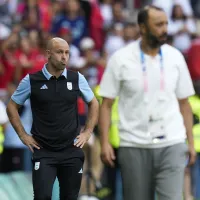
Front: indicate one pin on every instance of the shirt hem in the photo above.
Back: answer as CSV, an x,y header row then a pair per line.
x,y
152,145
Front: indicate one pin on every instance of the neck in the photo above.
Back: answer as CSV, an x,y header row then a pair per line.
x,y
148,49
53,71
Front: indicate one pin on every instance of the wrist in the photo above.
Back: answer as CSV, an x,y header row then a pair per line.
x,y
190,141
191,145
88,131
104,143
21,136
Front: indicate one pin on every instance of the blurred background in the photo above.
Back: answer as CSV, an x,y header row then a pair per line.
x,y
94,29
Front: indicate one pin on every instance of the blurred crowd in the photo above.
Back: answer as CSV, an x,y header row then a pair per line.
x,y
94,29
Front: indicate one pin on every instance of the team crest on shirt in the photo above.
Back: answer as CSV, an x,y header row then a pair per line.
x,y
69,85
37,165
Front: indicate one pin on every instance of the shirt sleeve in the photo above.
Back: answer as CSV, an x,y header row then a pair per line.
x,y
184,87
3,115
23,91
85,89
110,83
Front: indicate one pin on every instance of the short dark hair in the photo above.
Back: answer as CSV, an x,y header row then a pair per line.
x,y
130,24
143,14
173,17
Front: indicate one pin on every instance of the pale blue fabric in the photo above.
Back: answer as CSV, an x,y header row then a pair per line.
x,y
23,91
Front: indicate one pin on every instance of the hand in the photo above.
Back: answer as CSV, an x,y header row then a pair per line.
x,y
30,142
192,155
82,139
107,154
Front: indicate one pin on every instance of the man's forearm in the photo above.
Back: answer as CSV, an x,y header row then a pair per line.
x,y
188,120
104,123
92,118
13,115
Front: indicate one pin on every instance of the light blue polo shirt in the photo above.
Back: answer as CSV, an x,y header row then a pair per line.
x,y
23,91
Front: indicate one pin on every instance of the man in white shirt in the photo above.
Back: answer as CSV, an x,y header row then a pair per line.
x,y
153,84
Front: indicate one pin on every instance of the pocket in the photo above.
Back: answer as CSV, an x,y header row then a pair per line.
x,y
34,154
76,152
38,154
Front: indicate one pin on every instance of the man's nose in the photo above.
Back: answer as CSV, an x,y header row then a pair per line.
x,y
64,56
165,27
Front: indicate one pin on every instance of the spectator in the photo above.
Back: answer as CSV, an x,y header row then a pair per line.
x,y
9,60
30,58
31,15
7,11
193,59
182,28
34,40
118,13
96,26
106,11
115,40
45,14
131,32
168,6
5,31
90,68
73,20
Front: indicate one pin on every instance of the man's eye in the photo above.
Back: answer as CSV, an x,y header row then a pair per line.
x,y
161,24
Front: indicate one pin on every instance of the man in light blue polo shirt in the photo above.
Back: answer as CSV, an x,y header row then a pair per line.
x,y
56,139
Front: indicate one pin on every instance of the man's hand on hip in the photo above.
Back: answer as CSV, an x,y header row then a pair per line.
x,y
82,139
30,142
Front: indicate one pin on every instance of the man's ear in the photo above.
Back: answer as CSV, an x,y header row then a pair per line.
x,y
48,54
143,29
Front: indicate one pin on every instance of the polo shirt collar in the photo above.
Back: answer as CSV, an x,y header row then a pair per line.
x,y
48,75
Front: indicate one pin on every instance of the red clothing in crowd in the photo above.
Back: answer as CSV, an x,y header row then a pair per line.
x,y
193,59
36,59
96,26
9,62
45,14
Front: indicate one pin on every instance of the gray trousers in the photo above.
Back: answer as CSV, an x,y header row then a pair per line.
x,y
149,171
